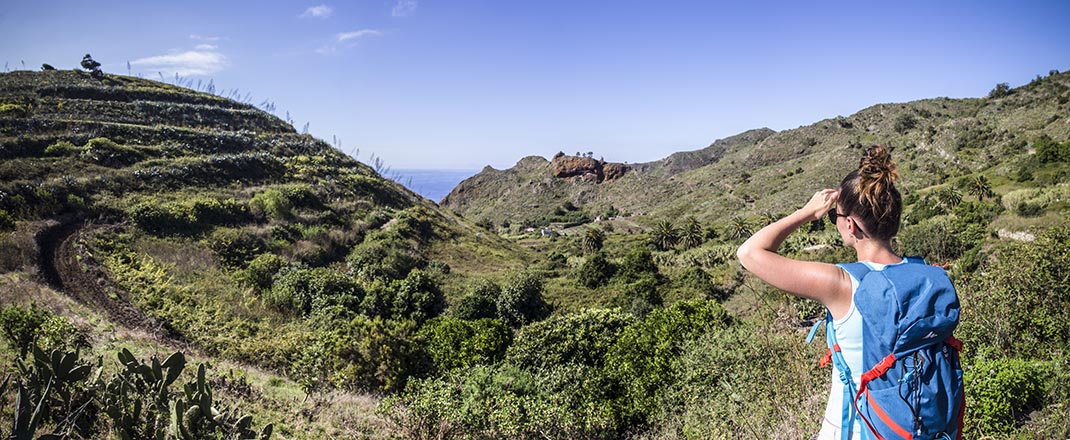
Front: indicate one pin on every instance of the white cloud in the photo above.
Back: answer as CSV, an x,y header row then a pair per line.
x,y
203,37
346,36
194,62
321,11
404,7
206,47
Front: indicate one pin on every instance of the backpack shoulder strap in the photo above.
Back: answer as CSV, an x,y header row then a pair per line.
x,y
914,260
858,270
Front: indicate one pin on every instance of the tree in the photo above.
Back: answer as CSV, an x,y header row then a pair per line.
x,y
1001,90
521,300
92,66
665,235
691,234
739,228
981,188
596,271
948,198
593,240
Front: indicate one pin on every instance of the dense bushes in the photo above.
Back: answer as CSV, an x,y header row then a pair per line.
x,y
25,328
454,343
521,300
941,239
595,271
642,358
304,290
1017,303
479,301
188,216
1003,392
367,354
578,338
383,260
595,374
733,383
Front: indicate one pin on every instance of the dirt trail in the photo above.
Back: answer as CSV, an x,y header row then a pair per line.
x,y
69,269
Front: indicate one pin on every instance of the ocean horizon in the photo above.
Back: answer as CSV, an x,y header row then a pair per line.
x,y
430,183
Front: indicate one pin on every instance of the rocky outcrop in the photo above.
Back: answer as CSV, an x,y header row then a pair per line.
x,y
585,169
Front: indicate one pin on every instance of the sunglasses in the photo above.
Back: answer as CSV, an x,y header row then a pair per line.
x,y
833,215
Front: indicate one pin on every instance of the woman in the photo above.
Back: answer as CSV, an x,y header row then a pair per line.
x,y
866,211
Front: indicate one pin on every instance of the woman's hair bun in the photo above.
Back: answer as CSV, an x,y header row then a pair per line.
x,y
877,166
876,183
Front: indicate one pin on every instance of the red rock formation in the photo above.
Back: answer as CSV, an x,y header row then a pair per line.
x,y
585,169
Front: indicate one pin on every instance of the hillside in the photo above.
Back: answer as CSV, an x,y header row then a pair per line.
x,y
207,225
759,171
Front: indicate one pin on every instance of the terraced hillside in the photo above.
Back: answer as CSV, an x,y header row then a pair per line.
x,y
214,226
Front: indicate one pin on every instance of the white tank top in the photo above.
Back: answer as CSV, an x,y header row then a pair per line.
x,y
849,336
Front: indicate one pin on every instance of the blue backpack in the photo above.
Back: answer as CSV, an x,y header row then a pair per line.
x,y
912,384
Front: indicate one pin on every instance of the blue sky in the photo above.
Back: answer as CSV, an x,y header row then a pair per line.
x,y
463,84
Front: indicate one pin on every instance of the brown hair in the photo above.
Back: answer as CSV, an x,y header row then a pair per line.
x,y
869,194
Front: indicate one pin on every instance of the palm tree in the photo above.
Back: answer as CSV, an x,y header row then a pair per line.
x,y
593,240
665,235
740,228
767,218
949,198
981,188
691,234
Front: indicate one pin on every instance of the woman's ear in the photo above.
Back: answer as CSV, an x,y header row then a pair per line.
x,y
853,229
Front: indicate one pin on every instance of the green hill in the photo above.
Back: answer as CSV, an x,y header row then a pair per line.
x,y
935,141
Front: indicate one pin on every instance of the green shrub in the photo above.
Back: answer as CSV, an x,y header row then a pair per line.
x,y
640,296
382,260
104,151
506,402
695,283
1001,393
7,222
367,354
1001,90
904,123
1017,303
21,325
521,300
235,246
732,384
636,264
479,302
1049,151
1026,209
415,223
262,269
575,338
301,290
271,204
642,359
974,212
595,271
62,148
453,343
941,240
25,328
417,297
186,217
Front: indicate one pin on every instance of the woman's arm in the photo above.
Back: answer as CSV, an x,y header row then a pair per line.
x,y
822,282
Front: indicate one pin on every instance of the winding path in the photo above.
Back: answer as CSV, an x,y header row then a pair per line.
x,y
69,269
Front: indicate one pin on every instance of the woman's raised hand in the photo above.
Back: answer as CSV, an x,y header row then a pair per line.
x,y
820,204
